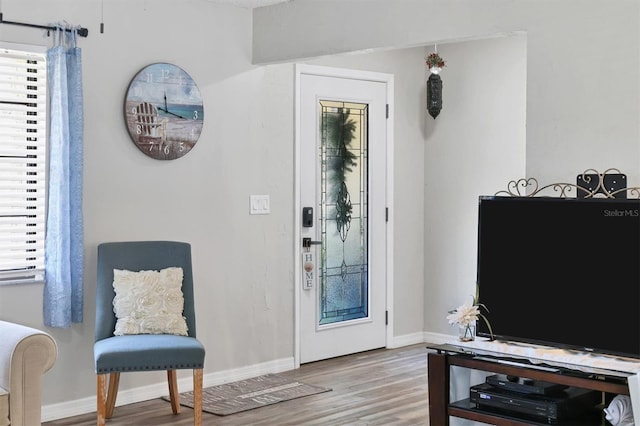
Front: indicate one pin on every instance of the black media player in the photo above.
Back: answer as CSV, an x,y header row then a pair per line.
x,y
563,405
524,385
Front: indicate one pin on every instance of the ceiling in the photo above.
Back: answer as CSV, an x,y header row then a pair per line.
x,y
250,4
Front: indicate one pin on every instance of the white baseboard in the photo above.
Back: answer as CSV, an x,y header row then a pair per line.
x,y
438,338
144,393
406,340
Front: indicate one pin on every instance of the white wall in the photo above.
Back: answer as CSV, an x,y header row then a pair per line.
x,y
582,98
242,263
475,146
582,63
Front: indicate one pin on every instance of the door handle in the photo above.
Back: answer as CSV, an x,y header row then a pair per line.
x,y
306,242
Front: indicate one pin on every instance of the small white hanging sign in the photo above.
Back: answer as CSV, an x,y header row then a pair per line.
x,y
308,270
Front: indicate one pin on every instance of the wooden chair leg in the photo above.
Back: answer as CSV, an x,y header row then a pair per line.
x,y
114,381
101,397
174,395
197,397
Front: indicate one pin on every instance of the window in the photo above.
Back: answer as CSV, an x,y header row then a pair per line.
x,y
344,267
23,162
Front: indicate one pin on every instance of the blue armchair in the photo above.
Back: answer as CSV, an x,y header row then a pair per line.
x,y
114,354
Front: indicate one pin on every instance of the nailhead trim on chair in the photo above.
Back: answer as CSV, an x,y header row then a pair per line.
x,y
151,368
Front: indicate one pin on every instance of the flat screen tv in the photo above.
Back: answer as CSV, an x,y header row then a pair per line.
x,y
561,272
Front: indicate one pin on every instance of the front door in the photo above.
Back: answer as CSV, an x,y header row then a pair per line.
x,y
342,234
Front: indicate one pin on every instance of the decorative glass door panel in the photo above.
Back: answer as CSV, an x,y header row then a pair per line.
x,y
343,280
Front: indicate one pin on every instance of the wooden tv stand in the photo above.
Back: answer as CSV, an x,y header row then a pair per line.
x,y
442,357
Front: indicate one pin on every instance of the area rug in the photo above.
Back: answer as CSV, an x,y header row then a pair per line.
x,y
248,394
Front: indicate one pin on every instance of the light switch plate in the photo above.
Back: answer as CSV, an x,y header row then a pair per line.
x,y
259,204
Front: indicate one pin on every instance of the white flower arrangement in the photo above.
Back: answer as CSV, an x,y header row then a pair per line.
x,y
464,315
467,315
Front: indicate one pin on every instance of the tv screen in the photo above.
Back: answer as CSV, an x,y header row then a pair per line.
x,y
561,272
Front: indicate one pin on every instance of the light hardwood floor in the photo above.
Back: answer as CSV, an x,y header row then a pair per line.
x,y
379,387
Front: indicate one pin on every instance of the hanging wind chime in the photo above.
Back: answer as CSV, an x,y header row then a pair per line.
x,y
434,84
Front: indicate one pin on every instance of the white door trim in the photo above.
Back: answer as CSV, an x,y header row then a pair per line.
x,y
297,268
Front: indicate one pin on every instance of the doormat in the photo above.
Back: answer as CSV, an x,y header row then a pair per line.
x,y
230,398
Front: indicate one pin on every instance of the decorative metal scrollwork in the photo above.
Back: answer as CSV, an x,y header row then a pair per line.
x,y
343,212
589,184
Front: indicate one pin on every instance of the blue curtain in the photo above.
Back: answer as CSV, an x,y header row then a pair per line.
x,y
64,244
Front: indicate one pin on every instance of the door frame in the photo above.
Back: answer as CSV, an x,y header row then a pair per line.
x,y
297,243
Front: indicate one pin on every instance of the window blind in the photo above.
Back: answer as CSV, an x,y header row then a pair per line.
x,y
23,163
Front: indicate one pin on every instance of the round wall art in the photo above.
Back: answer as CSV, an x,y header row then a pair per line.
x,y
163,111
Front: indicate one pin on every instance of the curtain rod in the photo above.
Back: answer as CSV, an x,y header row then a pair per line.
x,y
83,32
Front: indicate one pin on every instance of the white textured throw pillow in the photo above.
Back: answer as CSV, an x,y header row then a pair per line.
x,y
149,302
